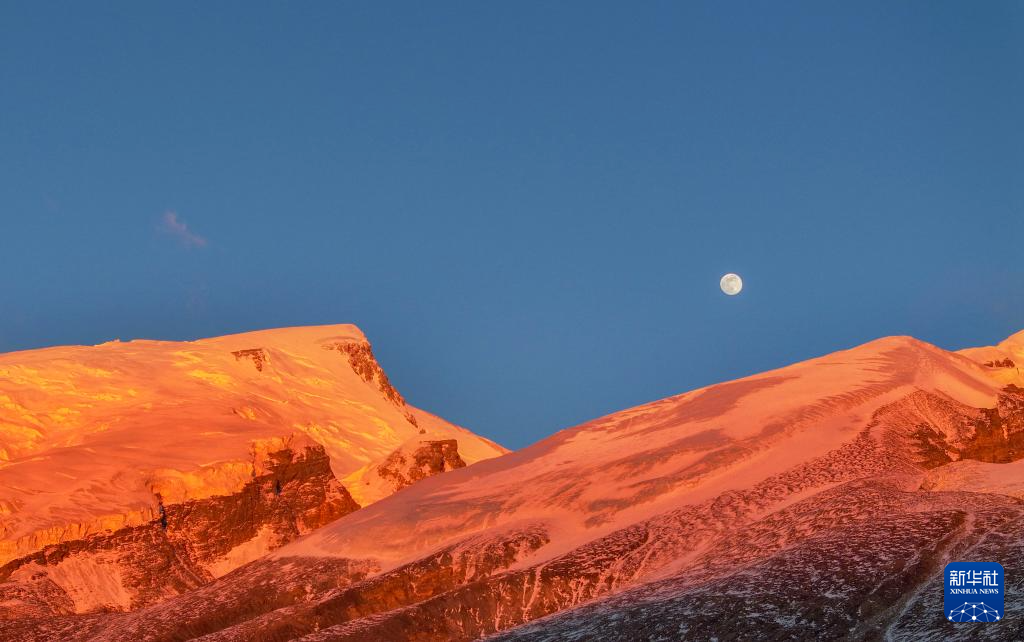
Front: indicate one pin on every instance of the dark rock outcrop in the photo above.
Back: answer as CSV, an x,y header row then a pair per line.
x,y
360,357
430,458
1005,363
258,356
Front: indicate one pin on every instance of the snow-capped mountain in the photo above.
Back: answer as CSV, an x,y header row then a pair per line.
x,y
817,501
191,457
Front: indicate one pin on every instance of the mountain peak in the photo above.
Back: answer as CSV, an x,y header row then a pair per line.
x,y
896,341
127,424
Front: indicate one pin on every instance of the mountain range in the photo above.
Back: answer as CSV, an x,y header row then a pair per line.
x,y
276,486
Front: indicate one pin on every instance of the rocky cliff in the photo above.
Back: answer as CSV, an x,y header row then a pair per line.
x,y
415,460
186,545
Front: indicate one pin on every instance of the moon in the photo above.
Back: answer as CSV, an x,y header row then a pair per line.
x,y
731,284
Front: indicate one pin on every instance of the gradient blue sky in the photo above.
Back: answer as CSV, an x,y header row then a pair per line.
x,y
526,206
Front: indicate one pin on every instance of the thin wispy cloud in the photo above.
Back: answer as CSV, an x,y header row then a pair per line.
x,y
170,224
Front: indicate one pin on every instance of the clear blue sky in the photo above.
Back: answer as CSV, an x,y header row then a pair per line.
x,y
526,206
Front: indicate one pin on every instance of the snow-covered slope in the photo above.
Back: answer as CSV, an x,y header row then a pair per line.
x,y
613,471
867,468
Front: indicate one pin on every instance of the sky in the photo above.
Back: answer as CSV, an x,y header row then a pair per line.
x,y
526,206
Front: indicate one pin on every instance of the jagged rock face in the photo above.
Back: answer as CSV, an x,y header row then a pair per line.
x,y
188,545
208,609
957,432
414,460
364,364
402,468
296,595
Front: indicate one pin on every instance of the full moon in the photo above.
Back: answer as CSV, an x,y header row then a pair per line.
x,y
731,284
